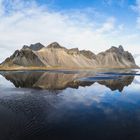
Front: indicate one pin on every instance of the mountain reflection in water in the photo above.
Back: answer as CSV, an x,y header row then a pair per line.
x,y
90,105
60,81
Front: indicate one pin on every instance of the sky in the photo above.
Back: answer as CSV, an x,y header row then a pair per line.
x,y
94,25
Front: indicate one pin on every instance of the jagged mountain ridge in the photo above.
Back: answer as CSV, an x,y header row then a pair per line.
x,y
55,55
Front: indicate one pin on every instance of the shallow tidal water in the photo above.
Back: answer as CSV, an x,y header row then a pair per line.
x,y
76,105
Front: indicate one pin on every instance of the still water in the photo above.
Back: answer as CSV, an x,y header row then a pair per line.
x,y
75,105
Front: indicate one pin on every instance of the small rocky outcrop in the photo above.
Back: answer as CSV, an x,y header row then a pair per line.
x,y
73,51
88,54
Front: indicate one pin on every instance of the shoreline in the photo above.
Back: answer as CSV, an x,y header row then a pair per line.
x,y
59,68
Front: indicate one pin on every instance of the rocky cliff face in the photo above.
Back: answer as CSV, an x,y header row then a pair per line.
x,y
116,57
24,57
55,55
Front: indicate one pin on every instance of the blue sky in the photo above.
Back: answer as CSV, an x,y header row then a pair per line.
x,y
120,9
87,24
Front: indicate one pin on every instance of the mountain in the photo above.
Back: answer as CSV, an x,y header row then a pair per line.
x,y
57,56
137,58
116,57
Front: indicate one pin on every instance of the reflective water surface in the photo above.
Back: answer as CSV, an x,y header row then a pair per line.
x,y
75,105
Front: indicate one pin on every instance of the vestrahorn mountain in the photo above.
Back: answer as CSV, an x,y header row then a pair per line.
x,y
56,56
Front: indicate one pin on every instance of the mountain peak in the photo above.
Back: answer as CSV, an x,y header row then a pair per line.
x,y
34,47
116,49
121,48
54,45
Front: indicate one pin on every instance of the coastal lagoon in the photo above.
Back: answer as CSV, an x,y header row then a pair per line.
x,y
75,105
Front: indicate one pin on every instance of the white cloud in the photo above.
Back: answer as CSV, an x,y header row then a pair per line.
x,y
26,22
108,26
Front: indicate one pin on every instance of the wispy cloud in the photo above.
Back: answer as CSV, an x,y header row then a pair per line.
x,y
114,2
107,26
136,8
